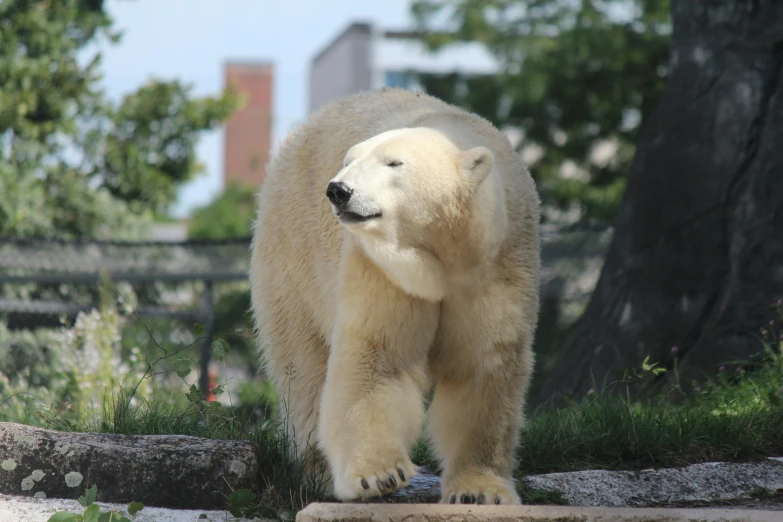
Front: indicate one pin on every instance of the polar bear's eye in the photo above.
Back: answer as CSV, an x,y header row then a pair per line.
x,y
393,163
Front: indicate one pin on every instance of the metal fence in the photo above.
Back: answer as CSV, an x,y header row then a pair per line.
x,y
52,262
571,260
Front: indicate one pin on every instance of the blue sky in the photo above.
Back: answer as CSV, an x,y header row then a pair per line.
x,y
190,40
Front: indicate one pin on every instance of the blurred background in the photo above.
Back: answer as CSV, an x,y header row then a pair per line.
x,y
134,136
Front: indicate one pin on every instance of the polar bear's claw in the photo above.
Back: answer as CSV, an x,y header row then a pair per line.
x,y
372,479
480,488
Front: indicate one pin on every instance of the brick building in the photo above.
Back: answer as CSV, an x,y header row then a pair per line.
x,y
247,136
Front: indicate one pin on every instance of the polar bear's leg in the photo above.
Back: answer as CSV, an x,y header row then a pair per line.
x,y
372,404
474,424
482,363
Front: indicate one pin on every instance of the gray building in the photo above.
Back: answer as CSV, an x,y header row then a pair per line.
x,y
364,56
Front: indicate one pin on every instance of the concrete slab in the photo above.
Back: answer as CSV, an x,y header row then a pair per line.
x,y
452,513
26,509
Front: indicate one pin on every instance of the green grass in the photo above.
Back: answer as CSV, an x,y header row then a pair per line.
x,y
608,433
288,486
738,416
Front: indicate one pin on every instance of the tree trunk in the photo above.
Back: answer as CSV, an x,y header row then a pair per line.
x,y
697,255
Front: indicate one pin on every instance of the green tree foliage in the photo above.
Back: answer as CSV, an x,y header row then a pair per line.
x,y
229,215
72,164
575,73
149,150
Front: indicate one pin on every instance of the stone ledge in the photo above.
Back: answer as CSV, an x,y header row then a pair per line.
x,y
707,482
698,483
196,473
452,513
26,509
159,470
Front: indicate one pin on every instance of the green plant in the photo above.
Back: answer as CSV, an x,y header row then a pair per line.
x,y
753,383
92,511
245,503
229,215
579,78
73,163
736,416
66,369
422,454
541,496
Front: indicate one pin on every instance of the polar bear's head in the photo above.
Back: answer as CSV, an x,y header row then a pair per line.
x,y
413,198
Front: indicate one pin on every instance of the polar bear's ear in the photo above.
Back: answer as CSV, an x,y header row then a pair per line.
x,y
476,164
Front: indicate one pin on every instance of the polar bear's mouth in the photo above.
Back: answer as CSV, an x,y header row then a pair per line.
x,y
346,216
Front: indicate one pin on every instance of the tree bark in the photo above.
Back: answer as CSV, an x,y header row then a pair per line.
x,y
697,254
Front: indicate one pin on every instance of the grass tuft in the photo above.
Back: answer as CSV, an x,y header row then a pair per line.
x,y
291,481
608,433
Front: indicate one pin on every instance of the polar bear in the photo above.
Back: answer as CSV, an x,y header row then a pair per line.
x,y
395,254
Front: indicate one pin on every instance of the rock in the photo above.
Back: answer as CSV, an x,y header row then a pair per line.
x,y
707,482
158,470
423,489
194,473
26,509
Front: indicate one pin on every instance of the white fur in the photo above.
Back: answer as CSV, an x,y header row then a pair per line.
x,y
358,320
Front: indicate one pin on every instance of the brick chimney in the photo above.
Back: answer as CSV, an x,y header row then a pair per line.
x,y
248,132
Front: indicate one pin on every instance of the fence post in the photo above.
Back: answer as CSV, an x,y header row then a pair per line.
x,y
206,343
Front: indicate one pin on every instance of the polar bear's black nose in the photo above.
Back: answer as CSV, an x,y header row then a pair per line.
x,y
338,193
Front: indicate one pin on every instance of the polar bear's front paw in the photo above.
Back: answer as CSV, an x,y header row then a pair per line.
x,y
373,477
479,488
